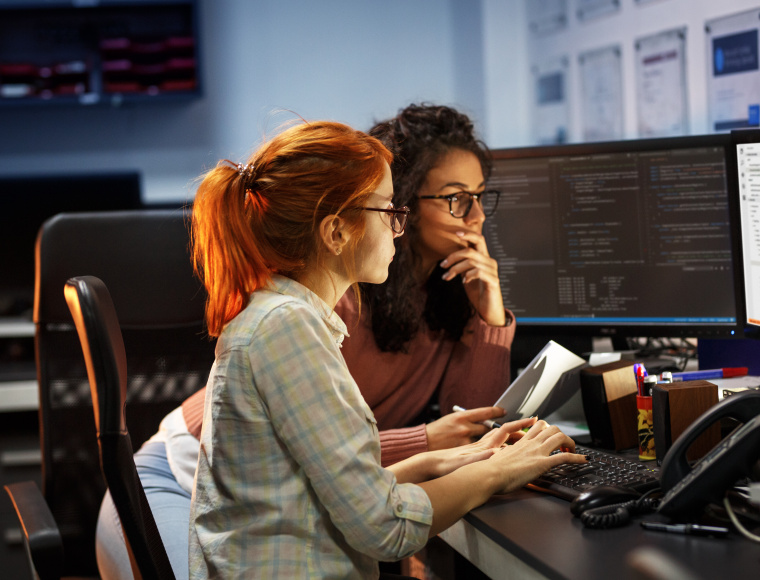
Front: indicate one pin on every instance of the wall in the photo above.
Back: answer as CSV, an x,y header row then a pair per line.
x,y
509,51
356,61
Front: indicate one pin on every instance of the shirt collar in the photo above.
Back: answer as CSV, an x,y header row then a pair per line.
x,y
290,287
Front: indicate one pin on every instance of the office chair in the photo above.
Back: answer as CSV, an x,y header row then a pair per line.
x,y
100,335
142,256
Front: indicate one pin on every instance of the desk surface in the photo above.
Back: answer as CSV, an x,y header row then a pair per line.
x,y
537,533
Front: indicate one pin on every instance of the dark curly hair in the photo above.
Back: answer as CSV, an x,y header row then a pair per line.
x,y
419,136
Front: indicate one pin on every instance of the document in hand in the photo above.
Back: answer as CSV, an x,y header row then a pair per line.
x,y
548,382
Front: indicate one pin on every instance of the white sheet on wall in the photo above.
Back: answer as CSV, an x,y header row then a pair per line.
x,y
601,94
546,16
589,9
733,74
661,88
551,115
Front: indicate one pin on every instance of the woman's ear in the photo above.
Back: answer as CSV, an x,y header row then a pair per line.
x,y
333,232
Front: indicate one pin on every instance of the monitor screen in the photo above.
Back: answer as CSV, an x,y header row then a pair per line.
x,y
629,238
27,201
746,168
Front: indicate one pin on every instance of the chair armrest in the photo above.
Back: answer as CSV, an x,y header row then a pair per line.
x,y
41,535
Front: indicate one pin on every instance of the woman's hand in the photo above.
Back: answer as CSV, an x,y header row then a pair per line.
x,y
480,275
532,456
460,428
445,461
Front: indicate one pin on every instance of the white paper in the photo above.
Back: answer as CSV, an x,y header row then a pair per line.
x,y
589,9
535,390
546,16
735,383
661,84
602,90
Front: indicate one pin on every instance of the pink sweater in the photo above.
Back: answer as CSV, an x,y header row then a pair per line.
x,y
398,386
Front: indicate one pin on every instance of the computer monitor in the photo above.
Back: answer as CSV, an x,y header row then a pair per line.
x,y
27,201
622,239
744,168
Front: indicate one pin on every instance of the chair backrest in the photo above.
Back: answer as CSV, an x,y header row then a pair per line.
x,y
103,347
142,256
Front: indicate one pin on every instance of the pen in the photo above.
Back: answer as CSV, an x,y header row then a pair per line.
x,y
723,373
488,422
686,529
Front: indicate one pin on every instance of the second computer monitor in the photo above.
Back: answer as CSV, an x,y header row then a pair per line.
x,y
631,238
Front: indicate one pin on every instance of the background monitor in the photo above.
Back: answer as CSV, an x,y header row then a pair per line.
x,y
622,239
27,201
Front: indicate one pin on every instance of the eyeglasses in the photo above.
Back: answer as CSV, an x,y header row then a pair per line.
x,y
460,203
399,217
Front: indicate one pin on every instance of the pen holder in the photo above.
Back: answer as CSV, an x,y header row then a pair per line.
x,y
645,428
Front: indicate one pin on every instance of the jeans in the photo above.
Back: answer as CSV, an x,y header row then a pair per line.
x,y
170,505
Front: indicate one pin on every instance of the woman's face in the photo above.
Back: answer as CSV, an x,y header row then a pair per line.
x,y
456,171
376,249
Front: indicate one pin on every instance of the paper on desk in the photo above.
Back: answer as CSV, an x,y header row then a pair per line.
x,y
735,383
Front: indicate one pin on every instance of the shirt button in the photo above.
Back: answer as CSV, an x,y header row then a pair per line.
x,y
399,508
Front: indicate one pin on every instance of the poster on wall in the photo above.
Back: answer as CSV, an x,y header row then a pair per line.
x,y
590,9
551,114
546,16
733,76
661,88
601,94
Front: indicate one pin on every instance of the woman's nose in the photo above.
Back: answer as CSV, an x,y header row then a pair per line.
x,y
475,215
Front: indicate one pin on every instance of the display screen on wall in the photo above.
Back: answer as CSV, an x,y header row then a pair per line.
x,y
733,71
98,52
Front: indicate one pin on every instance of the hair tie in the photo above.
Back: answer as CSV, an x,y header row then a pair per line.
x,y
245,170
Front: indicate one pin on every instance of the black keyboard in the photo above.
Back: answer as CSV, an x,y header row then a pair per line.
x,y
604,468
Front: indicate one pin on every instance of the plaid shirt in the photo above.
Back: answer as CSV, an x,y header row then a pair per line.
x,y
289,483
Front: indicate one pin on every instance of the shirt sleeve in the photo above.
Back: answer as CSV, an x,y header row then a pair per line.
x,y
478,373
317,411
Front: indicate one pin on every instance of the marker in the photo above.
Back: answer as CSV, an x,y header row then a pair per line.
x,y
648,385
686,529
723,373
639,372
488,422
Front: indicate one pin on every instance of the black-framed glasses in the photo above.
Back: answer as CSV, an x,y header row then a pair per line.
x,y
399,217
460,203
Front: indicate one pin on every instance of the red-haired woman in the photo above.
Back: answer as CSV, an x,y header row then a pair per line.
x,y
289,482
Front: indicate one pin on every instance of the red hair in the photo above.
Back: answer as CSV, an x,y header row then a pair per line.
x,y
251,222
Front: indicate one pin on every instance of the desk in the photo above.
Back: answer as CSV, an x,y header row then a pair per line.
x,y
529,534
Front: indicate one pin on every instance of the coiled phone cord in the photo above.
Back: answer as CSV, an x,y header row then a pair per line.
x,y
619,514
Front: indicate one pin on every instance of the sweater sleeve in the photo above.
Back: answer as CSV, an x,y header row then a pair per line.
x,y
399,444
478,372
192,411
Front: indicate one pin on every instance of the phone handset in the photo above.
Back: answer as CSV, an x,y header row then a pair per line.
x,y
687,489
